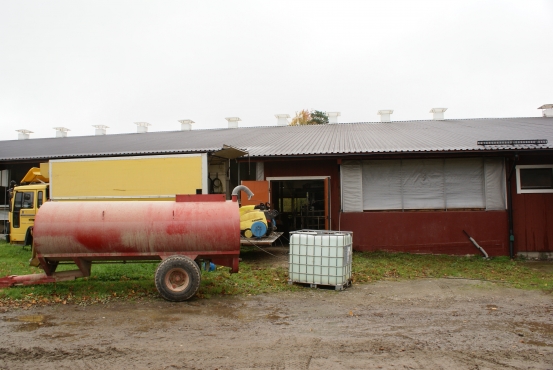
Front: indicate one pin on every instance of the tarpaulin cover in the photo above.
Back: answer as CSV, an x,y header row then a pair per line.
x,y
423,184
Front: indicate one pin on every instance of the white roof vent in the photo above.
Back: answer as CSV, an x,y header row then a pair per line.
x,y
23,134
385,115
100,129
186,124
233,122
547,110
438,113
282,119
333,117
142,127
61,131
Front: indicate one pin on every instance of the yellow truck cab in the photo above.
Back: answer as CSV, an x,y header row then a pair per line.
x,y
24,204
25,200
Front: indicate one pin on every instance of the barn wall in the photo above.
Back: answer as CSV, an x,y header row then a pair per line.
x,y
439,232
532,215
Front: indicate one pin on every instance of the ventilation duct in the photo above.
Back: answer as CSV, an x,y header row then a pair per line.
x,y
23,134
282,119
547,110
233,122
438,113
186,124
100,129
385,115
61,131
333,117
142,127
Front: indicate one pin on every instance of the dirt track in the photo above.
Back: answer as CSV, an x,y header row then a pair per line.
x,y
422,324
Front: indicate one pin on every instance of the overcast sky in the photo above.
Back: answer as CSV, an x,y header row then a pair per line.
x,y
82,63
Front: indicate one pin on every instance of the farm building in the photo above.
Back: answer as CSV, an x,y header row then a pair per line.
x,y
411,186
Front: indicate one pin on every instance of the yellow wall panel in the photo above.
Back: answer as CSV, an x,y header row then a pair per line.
x,y
128,177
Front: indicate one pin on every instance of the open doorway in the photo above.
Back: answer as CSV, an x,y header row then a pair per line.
x,y
303,203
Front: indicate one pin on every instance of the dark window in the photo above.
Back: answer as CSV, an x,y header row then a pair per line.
x,y
17,203
39,199
28,200
536,178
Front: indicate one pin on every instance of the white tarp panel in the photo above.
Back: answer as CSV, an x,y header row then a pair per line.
x,y
464,183
382,185
352,187
424,184
4,175
495,184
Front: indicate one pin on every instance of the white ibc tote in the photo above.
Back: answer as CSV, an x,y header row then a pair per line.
x,y
320,257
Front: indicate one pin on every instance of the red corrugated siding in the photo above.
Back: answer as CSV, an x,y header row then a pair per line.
x,y
532,214
436,232
533,222
428,232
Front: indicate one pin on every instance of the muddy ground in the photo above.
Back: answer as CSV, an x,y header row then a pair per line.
x,y
420,324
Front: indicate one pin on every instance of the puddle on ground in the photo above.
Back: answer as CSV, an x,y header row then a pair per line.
x,y
30,322
542,266
539,327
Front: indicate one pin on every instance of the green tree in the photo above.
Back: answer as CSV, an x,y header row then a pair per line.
x,y
318,118
306,117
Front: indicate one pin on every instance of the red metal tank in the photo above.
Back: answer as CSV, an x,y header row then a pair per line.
x,y
122,230
194,228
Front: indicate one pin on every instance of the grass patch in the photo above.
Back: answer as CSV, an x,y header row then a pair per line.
x,y
371,266
258,274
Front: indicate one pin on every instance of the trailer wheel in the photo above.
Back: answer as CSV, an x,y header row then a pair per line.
x,y
177,278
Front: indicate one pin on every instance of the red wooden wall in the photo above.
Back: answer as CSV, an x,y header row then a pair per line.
x,y
438,232
418,232
533,215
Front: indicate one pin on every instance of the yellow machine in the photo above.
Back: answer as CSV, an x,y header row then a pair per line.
x,y
257,221
253,222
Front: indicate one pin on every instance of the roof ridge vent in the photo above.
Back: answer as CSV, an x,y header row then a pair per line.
x,y
186,124
23,134
61,131
142,127
385,115
100,129
282,119
333,117
438,113
547,110
233,122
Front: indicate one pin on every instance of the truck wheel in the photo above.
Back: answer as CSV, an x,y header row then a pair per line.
x,y
177,278
29,237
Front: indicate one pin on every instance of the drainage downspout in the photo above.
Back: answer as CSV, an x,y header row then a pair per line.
x,y
510,207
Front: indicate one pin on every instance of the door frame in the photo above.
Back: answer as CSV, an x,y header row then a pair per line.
x,y
326,179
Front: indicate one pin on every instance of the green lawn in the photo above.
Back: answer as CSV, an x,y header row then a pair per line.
x,y
135,281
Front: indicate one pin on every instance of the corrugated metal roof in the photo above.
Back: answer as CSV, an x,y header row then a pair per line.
x,y
344,138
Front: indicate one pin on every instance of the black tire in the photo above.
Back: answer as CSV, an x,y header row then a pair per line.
x,y
177,278
28,237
